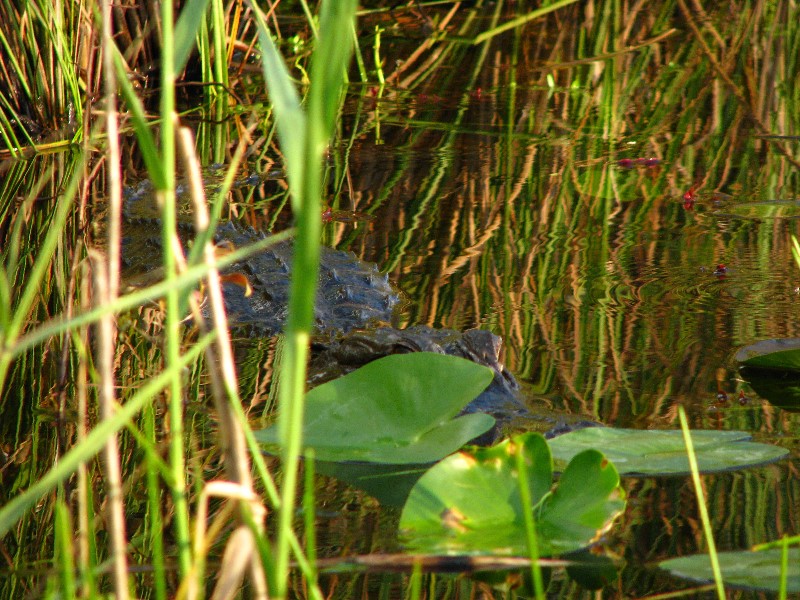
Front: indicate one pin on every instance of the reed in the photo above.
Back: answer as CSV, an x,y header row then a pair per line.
x,y
701,503
304,135
48,51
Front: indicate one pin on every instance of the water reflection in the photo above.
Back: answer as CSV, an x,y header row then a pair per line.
x,y
619,296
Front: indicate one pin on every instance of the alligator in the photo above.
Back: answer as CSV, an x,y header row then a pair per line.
x,y
354,307
351,293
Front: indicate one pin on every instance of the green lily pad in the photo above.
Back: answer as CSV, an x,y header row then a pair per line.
x,y
755,570
389,484
399,409
470,502
659,452
763,210
591,571
780,354
780,388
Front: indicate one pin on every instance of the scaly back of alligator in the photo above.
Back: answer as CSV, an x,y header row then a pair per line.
x,y
351,294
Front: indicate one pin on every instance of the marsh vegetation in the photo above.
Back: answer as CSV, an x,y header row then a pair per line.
x,y
610,186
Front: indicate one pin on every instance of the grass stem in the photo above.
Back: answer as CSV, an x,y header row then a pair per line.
x,y
701,504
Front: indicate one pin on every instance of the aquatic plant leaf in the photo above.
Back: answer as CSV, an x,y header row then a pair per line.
x,y
583,504
660,452
779,354
755,570
470,502
767,209
390,484
399,409
780,388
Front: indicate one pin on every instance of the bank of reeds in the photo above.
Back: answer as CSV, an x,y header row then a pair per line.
x,y
264,555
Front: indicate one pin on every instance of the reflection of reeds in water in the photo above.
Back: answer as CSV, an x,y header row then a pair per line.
x,y
537,233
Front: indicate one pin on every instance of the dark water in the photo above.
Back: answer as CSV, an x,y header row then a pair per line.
x,y
497,185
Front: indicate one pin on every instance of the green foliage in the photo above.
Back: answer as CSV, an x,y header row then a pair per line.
x,y
45,47
570,216
781,388
782,354
94,442
750,570
470,503
304,136
660,452
398,409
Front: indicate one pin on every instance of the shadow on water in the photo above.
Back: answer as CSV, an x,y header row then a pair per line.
x,y
595,213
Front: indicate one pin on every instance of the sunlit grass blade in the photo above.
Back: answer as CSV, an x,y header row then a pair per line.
x,y
289,116
147,142
530,525
303,138
796,250
63,550
186,28
16,319
701,503
152,464
517,22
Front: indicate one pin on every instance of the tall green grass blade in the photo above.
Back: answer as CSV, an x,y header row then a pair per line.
x,y
329,71
784,582
530,524
701,502
7,130
63,551
96,439
289,116
220,50
186,28
147,143
519,21
304,138
310,18
66,77
362,69
175,298
155,520
16,320
16,67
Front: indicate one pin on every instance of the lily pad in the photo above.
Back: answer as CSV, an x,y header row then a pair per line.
x,y
592,571
399,409
764,210
470,503
389,484
754,570
780,388
659,452
780,354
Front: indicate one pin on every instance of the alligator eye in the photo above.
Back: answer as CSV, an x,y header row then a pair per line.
x,y
238,279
